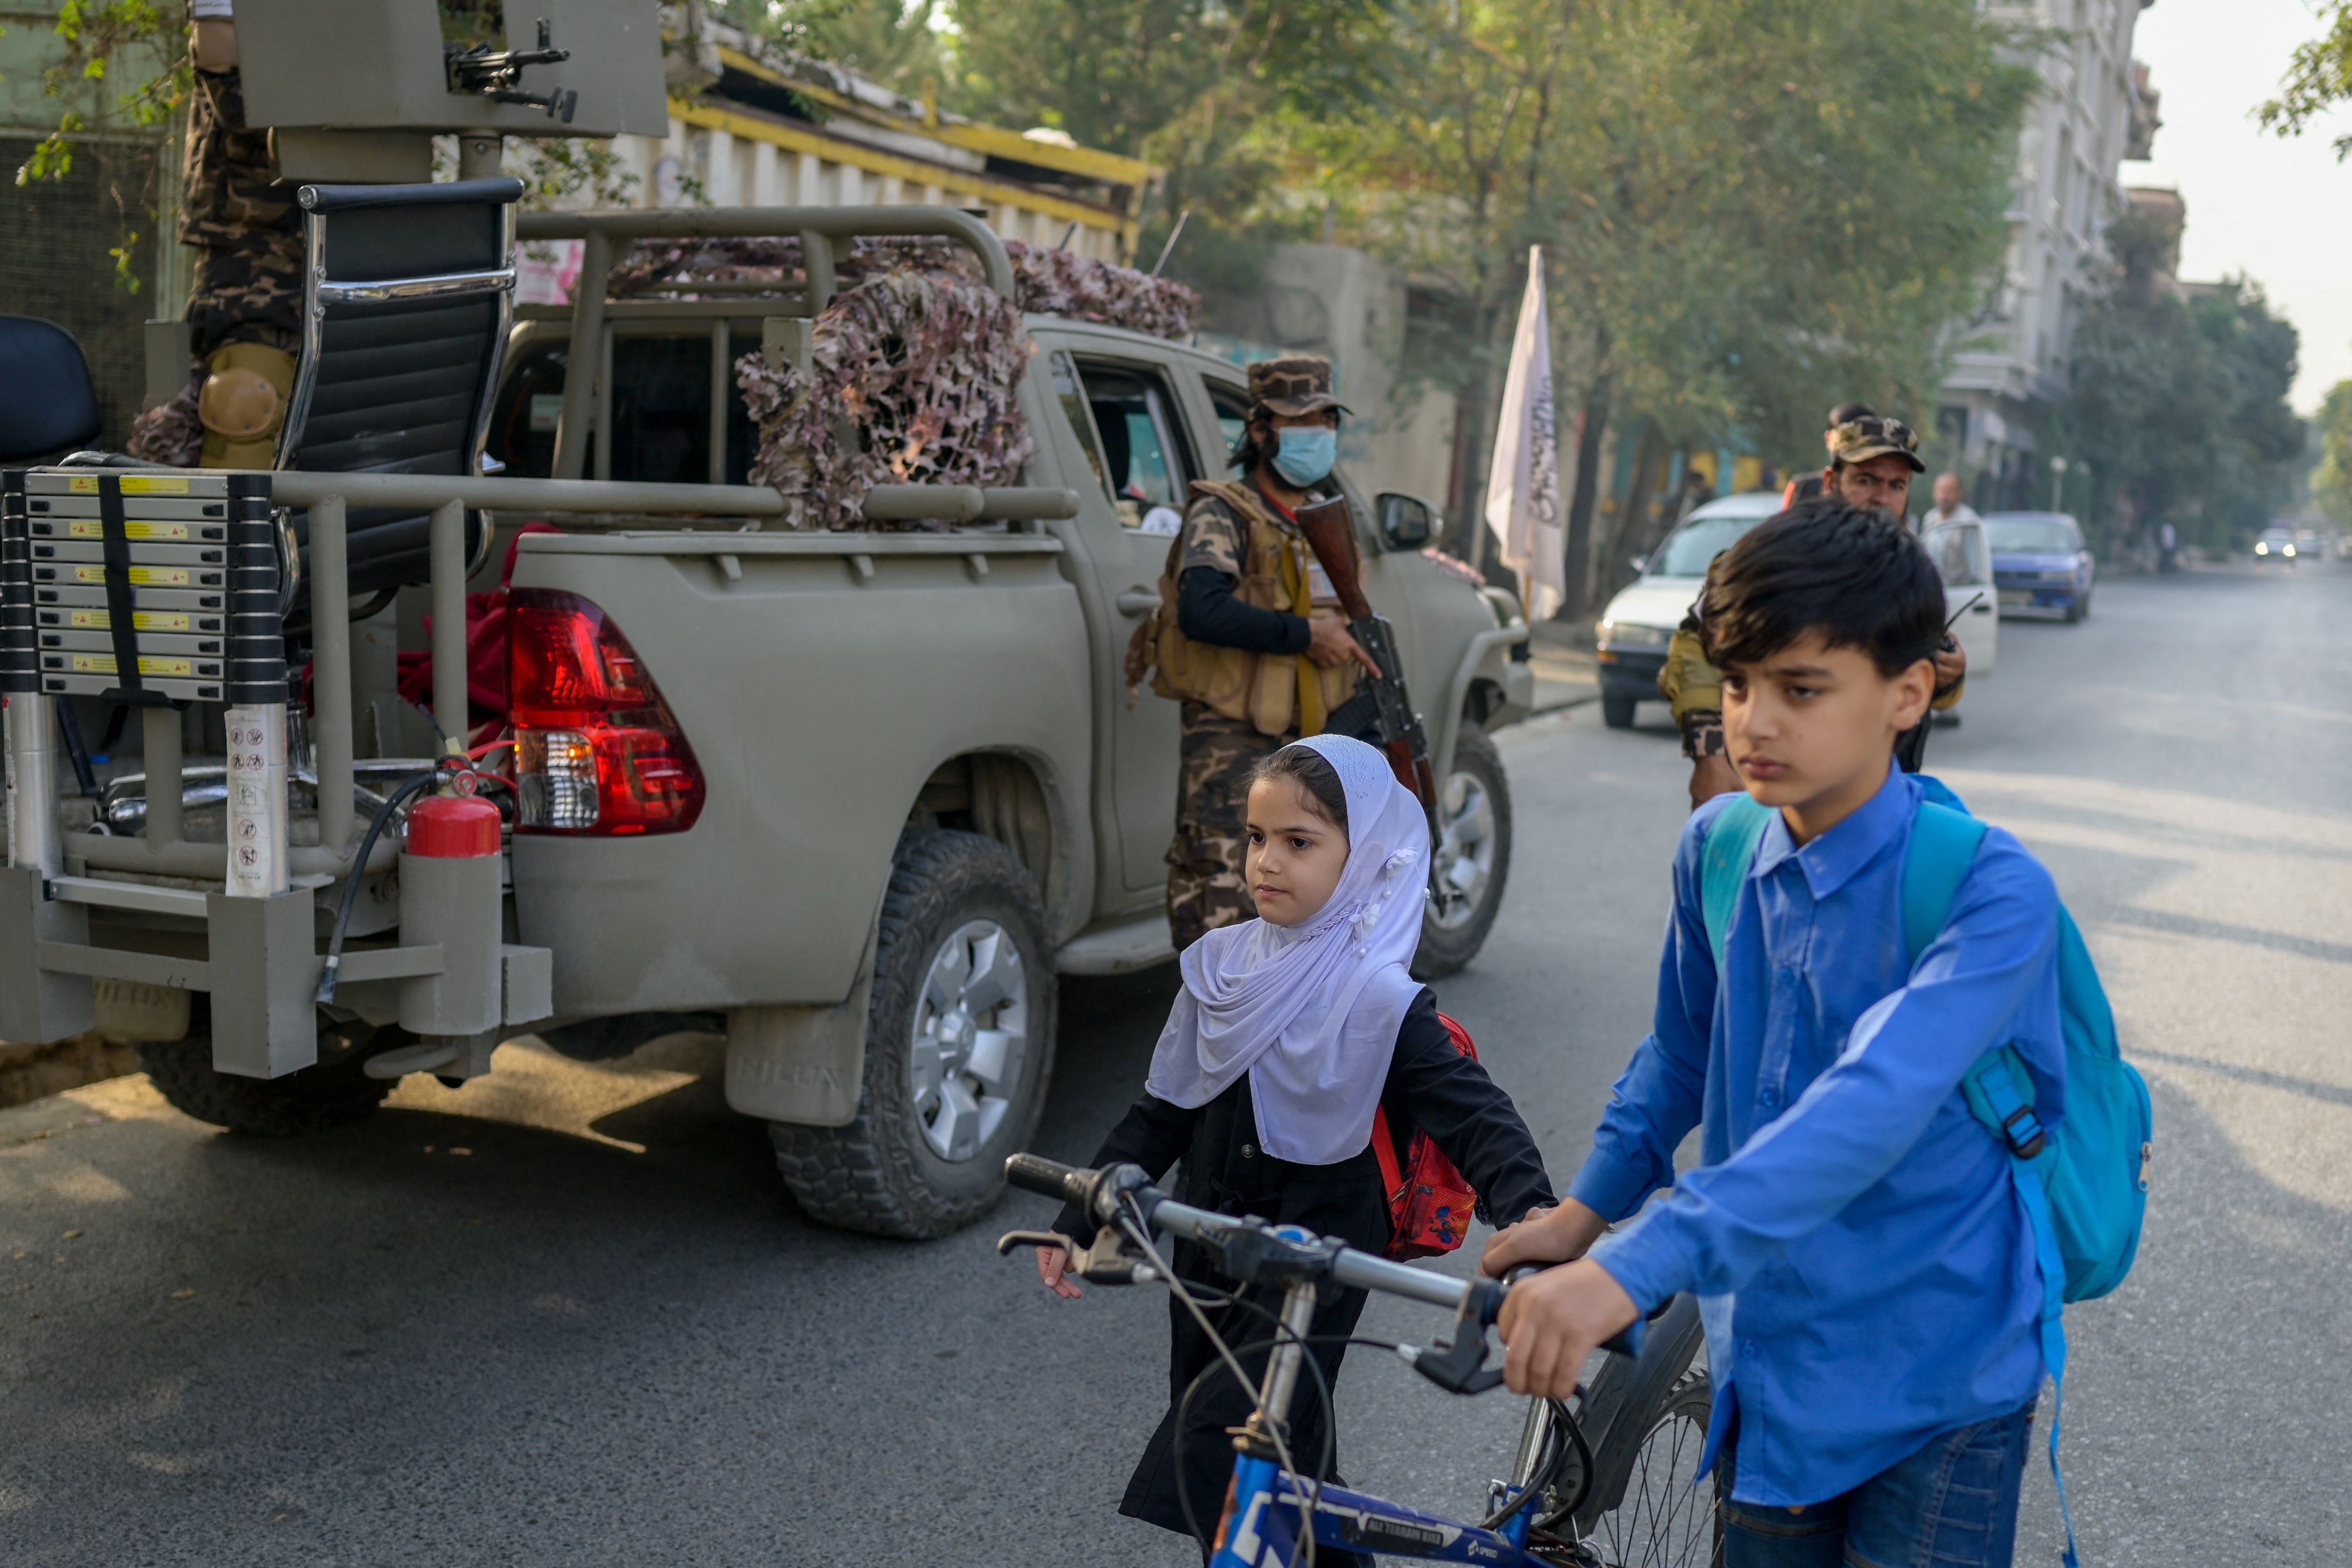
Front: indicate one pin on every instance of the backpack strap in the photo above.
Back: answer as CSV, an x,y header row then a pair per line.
x,y
1385,1150
1943,844
1725,857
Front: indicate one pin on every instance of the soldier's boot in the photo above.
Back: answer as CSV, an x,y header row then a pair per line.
x,y
242,406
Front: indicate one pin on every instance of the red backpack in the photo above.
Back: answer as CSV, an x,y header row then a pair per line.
x,y
1430,1202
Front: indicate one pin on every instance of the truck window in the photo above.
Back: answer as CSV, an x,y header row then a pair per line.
x,y
661,412
1233,407
1144,460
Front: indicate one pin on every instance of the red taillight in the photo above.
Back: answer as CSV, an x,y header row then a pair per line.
x,y
596,750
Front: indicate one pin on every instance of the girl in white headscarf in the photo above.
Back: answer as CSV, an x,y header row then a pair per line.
x,y
1291,1031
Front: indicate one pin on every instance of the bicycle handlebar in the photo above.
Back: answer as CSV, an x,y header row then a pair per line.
x,y
1250,1248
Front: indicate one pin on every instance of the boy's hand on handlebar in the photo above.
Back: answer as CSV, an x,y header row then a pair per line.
x,y
1052,1264
1558,1234
1555,1322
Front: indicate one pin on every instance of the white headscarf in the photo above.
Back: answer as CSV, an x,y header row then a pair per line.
x,y
1311,1013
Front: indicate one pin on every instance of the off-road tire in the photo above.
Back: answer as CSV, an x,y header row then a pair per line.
x,y
1616,712
1445,949
334,1093
878,1175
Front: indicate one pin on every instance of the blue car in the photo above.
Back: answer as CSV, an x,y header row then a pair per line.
x,y
2040,565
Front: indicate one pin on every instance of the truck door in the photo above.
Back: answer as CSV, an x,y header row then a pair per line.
x,y
1124,414
1963,556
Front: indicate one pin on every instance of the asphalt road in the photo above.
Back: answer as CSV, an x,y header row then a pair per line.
x,y
566,1316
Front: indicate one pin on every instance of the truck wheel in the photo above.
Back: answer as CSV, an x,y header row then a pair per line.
x,y
1616,712
336,1091
959,1047
1472,860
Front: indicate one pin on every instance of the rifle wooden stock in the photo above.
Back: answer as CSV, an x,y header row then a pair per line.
x,y
1331,532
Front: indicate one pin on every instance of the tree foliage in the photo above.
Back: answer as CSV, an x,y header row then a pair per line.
x,y
1745,218
2180,409
2318,77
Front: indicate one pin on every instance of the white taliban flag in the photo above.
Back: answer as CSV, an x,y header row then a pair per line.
x,y
1523,483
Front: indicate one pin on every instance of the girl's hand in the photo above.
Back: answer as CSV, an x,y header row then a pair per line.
x,y
1052,1262
1547,1236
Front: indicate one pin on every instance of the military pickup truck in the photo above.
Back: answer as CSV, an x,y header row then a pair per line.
x,y
853,798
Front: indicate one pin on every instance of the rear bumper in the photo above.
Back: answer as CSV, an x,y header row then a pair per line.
x,y
2028,598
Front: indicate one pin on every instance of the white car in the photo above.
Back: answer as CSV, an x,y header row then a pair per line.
x,y
1640,622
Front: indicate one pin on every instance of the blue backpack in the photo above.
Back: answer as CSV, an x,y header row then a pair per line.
x,y
2085,1187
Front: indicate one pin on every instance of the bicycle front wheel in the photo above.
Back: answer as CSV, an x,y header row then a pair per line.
x,y
1667,1516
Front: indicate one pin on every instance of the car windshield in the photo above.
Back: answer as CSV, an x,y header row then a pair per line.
x,y
2032,535
2279,536
1697,544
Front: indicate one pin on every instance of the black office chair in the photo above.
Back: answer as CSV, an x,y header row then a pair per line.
x,y
47,402
406,302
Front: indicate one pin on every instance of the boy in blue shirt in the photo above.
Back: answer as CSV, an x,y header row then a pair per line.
x,y
1865,1271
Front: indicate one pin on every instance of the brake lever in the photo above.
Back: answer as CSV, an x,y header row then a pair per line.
x,y
1458,1367
1106,1262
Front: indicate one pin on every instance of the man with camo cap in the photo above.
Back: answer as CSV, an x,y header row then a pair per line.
x,y
1241,639
1871,462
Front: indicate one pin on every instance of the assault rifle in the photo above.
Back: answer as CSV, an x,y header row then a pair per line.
x,y
1331,532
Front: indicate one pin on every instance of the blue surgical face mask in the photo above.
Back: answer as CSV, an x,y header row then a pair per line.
x,y
1306,453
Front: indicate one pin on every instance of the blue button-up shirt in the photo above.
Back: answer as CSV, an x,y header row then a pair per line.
x,y
1866,1274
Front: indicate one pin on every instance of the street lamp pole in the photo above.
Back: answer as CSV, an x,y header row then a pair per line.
x,y
2057,484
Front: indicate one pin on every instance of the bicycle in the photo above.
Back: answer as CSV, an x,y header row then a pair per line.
x,y
1625,1500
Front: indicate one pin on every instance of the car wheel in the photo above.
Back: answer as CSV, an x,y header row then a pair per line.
x,y
959,1049
1616,712
1472,860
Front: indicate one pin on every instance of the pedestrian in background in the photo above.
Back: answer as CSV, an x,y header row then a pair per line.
x,y
1948,507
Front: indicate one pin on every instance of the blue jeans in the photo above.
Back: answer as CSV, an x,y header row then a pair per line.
x,y
1953,1504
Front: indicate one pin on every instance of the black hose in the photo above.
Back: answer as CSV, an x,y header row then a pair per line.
x,y
326,992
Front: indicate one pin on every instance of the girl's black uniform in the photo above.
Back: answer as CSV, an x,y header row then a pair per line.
x,y
1431,1085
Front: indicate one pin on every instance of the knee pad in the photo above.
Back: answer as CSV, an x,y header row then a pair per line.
x,y
242,404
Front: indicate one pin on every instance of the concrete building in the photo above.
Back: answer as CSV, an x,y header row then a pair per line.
x,y
2094,110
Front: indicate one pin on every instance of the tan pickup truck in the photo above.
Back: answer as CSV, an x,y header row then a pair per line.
x,y
857,799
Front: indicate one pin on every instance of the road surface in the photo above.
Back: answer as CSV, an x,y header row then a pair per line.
x,y
566,1316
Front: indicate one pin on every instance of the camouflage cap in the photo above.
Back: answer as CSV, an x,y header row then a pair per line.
x,y
1294,384
1868,435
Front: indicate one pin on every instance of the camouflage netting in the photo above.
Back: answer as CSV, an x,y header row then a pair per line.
x,y
913,379
917,363
170,433
1047,283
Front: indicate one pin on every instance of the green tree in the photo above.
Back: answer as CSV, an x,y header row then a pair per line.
x,y
2318,77
2331,481
2180,408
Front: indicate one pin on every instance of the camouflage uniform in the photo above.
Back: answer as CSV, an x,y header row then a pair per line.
x,y
1234,535
244,219
1205,859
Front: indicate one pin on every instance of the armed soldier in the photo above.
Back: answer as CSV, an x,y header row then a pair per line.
x,y
1872,463
1242,639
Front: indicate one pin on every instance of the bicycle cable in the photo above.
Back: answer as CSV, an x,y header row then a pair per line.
x,y
1132,1221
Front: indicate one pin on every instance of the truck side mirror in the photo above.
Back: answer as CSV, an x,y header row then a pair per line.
x,y
47,404
1407,522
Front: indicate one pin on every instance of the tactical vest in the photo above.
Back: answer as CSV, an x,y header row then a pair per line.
x,y
1274,692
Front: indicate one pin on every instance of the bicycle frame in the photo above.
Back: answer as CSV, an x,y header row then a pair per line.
x,y
1261,1527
